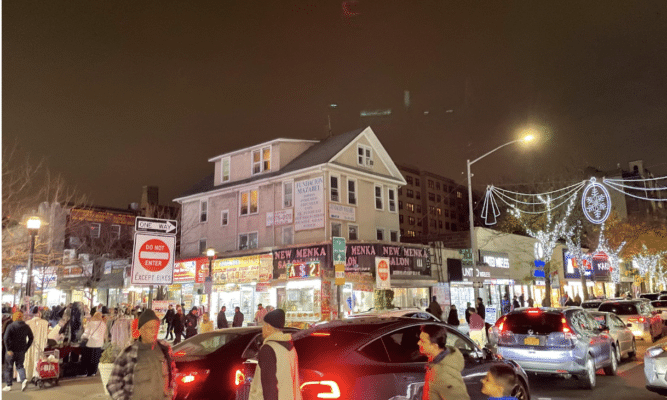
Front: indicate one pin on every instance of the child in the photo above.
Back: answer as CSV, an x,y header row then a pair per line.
x,y
499,382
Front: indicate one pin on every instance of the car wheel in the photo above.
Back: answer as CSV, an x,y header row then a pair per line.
x,y
520,391
589,376
619,354
611,369
633,351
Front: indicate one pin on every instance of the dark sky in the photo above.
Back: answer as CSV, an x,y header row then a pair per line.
x,y
120,94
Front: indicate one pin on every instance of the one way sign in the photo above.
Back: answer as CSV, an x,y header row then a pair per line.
x,y
163,226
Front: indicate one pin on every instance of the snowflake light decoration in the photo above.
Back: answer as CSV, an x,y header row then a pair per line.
x,y
595,202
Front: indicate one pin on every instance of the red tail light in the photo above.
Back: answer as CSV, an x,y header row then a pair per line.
x,y
320,390
641,320
239,376
320,334
534,311
195,376
501,324
566,327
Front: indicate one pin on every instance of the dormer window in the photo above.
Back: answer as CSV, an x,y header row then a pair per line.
x,y
225,169
261,160
364,156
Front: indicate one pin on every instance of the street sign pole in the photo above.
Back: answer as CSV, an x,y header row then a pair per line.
x,y
339,255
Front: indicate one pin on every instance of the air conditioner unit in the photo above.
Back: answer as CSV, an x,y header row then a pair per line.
x,y
69,256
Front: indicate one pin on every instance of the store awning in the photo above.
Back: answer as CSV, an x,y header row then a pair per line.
x,y
113,280
72,283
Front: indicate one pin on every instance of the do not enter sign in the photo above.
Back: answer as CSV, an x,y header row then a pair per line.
x,y
382,280
153,261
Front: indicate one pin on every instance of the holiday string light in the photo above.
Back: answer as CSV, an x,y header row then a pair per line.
x,y
613,255
647,185
574,247
646,262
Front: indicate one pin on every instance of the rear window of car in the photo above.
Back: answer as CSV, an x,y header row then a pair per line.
x,y
620,308
204,343
594,304
651,296
314,347
540,324
659,303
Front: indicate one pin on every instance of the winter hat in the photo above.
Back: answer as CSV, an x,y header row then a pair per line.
x,y
275,318
17,316
146,316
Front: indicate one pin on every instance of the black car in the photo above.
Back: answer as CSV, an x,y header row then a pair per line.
x,y
210,365
650,296
591,304
379,358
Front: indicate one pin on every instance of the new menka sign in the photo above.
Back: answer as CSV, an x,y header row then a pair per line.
x,y
153,259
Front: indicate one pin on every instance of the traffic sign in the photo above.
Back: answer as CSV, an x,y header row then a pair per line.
x,y
339,249
153,259
538,273
163,226
382,280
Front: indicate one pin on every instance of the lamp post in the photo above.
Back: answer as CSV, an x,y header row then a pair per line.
x,y
473,243
33,224
208,284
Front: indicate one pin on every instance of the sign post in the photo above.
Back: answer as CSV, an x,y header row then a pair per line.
x,y
339,255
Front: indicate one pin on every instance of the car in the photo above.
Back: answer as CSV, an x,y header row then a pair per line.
x,y
655,365
591,304
661,307
626,345
556,341
407,313
379,359
662,297
645,323
650,296
210,365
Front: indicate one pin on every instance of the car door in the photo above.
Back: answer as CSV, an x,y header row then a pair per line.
x,y
588,329
623,334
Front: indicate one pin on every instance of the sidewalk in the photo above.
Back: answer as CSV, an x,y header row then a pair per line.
x,y
69,389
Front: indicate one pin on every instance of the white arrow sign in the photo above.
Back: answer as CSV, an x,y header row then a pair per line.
x,y
155,225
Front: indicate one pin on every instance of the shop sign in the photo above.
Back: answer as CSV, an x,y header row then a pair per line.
x,y
284,258
184,271
601,267
490,315
383,276
201,271
360,258
115,266
104,217
406,261
339,211
73,271
466,256
572,269
303,270
480,272
282,217
262,287
236,270
494,260
338,244
309,204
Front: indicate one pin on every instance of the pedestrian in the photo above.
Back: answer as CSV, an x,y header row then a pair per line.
x,y
148,361
568,301
577,300
191,323
515,303
500,382
206,324
17,340
277,371
467,312
544,301
75,321
480,308
238,318
530,301
40,331
436,310
95,336
453,318
522,300
179,325
222,318
259,315
477,328
505,304
169,319
443,380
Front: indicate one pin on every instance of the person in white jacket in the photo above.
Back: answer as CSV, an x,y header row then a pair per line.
x,y
96,333
40,329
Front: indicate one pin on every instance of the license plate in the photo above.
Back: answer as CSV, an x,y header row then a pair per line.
x,y
531,341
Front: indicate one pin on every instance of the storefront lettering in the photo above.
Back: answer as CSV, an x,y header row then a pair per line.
x,y
497,262
311,252
282,254
358,250
304,270
468,272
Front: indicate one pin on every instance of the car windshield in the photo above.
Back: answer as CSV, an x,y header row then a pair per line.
x,y
541,323
620,308
659,303
203,344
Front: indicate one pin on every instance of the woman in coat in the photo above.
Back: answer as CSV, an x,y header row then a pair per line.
x,y
453,318
96,333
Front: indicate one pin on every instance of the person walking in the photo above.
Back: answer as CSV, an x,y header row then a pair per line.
x,y
40,331
467,312
179,325
443,380
259,315
477,328
453,318
505,304
169,319
277,371
222,318
515,303
206,324
148,361
436,310
96,335
238,318
191,323
530,301
17,340
522,300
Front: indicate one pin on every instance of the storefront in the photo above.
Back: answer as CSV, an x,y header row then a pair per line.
x,y
597,274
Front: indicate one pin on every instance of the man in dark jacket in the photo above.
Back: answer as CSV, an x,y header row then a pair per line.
x,y
17,339
222,318
435,308
238,318
191,323
169,319
179,324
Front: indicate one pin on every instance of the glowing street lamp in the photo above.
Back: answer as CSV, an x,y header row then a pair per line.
x,y
33,224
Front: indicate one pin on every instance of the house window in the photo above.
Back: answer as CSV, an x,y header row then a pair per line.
x,y
248,241
438,211
94,230
224,218
418,195
453,215
261,160
410,207
364,156
249,201
431,210
431,184
411,220
225,170
451,202
378,198
459,194
447,225
411,233
400,204
203,211
202,246
335,190
419,221
336,229
393,236
400,191
408,179
351,191
417,182
410,193
439,199
431,196
433,222
288,189
454,227
392,200
440,224
353,232
447,213
418,209
437,186
115,232
400,219
288,235
379,234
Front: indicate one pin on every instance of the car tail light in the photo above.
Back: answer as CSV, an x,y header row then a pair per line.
x,y
239,376
320,390
190,377
640,320
320,334
534,311
501,324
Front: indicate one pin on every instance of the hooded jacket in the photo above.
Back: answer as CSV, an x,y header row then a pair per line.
x,y
443,380
277,373
18,337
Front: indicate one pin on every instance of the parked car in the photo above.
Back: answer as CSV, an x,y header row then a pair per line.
x,y
407,313
650,296
662,297
655,364
591,304
661,307
210,365
626,345
379,359
556,341
645,323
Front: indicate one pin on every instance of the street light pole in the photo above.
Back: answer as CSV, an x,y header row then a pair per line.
x,y
33,225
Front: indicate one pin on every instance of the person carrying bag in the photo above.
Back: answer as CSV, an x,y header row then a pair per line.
x,y
93,339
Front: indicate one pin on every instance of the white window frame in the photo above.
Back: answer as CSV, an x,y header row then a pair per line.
x,y
340,229
290,229
365,160
349,227
222,169
222,217
261,161
338,188
205,241
355,191
249,192
375,197
116,234
389,200
398,237
203,215
99,230
248,234
291,198
377,230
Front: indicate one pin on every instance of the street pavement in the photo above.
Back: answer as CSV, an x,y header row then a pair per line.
x,y
82,388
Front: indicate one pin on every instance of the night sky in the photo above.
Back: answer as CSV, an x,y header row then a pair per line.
x,y
121,94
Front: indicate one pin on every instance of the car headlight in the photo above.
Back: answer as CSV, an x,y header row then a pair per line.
x,y
655,351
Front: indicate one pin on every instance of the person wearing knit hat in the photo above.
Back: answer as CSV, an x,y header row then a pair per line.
x,y
17,340
277,371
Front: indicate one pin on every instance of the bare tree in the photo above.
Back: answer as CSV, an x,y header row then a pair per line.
x,y
577,254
